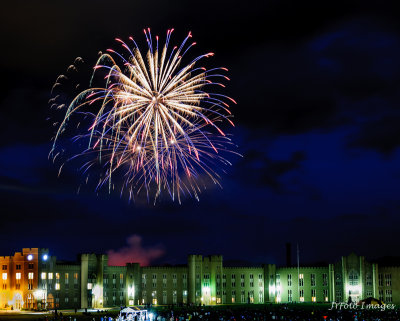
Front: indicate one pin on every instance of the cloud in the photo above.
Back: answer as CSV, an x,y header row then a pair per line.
x,y
382,135
256,167
135,252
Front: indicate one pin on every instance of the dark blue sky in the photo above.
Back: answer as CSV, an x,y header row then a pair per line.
x,y
317,123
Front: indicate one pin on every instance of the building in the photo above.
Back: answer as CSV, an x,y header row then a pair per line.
x,y
33,279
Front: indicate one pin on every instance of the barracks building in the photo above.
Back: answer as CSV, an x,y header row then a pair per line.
x,y
33,279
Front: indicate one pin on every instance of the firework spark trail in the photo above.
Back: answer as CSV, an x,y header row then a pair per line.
x,y
154,121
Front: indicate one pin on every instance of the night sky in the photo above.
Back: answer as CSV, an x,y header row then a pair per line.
x,y
317,123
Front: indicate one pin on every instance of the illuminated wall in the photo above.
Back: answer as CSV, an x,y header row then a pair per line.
x,y
34,279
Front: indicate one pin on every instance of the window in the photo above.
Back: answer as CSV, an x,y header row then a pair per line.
x,y
338,280
242,284
18,280
174,297
369,293
289,280
380,279
18,267
57,286
388,296
313,295
30,266
301,279
381,295
338,296
312,277
30,275
50,276
388,279
66,279
233,276
353,278
368,279
154,276
301,295
57,276
325,294
324,279
242,296
164,276
260,276
4,267
290,298
233,296
43,276
4,276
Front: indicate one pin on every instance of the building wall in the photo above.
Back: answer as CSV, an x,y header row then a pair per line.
x,y
34,279
306,284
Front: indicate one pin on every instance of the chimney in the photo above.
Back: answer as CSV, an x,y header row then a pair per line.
x,y
288,254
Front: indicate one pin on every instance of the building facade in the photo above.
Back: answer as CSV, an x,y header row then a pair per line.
x,y
33,279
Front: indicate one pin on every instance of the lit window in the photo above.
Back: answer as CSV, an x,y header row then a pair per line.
x,y
57,276
89,286
4,276
30,275
18,276
43,275
50,276
57,286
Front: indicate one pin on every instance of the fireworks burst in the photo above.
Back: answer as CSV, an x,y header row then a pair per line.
x,y
152,120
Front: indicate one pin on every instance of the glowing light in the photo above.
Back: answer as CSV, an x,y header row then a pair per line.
x,y
18,276
131,291
39,294
30,257
45,257
57,286
302,299
30,275
4,276
151,316
152,122
89,286
50,276
97,291
43,275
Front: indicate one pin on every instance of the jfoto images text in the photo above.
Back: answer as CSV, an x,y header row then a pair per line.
x,y
361,306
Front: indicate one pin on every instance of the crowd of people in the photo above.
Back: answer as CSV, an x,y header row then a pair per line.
x,y
242,313
273,312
